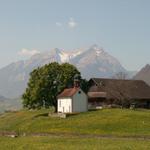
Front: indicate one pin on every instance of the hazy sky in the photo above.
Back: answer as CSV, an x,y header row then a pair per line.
x,y
121,27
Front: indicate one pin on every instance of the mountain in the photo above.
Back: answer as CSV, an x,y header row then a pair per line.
x,y
2,98
9,104
144,74
131,74
95,62
91,62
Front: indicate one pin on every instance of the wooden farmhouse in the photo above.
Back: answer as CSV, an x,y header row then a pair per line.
x,y
104,92
72,100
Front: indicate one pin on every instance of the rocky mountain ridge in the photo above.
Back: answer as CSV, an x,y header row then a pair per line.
x,y
144,74
91,62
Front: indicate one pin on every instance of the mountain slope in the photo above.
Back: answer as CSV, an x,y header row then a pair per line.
x,y
144,74
91,62
9,104
95,62
2,98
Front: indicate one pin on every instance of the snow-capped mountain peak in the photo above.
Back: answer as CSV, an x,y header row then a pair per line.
x,y
91,62
97,49
64,57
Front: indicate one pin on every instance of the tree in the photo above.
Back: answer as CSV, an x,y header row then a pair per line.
x,y
84,85
120,75
119,92
46,83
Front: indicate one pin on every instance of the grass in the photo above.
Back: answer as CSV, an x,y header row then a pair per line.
x,y
117,122
120,122
49,143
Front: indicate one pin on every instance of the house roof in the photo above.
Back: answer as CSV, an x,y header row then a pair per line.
x,y
133,89
68,92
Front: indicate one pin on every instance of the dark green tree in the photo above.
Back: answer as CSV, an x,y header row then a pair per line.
x,y
46,83
84,84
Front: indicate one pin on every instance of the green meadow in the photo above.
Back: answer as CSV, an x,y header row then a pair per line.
x,y
64,143
106,121
114,124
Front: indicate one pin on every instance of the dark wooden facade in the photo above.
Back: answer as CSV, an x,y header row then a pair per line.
x,y
109,91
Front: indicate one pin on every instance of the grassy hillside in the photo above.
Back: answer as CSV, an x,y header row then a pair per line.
x,y
108,121
106,129
65,143
119,128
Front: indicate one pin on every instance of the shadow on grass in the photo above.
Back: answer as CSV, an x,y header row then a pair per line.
x,y
93,109
41,115
72,114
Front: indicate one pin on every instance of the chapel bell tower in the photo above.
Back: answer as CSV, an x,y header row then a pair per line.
x,y
77,79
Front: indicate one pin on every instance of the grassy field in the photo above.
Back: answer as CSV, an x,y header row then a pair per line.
x,y
111,122
107,121
49,143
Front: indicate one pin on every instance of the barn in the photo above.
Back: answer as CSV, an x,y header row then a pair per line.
x,y
104,92
72,100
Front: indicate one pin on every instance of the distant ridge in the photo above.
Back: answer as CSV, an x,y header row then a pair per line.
x,y
2,98
144,74
91,62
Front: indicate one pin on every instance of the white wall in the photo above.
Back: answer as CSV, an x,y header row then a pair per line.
x,y
80,102
64,105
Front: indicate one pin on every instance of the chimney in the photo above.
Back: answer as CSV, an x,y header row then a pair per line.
x,y
77,78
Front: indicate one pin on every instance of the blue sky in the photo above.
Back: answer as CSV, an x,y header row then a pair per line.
x,y
121,27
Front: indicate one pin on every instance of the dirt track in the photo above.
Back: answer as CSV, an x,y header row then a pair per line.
x,y
75,135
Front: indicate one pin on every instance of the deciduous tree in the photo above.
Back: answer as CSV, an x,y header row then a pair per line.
x,y
46,83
